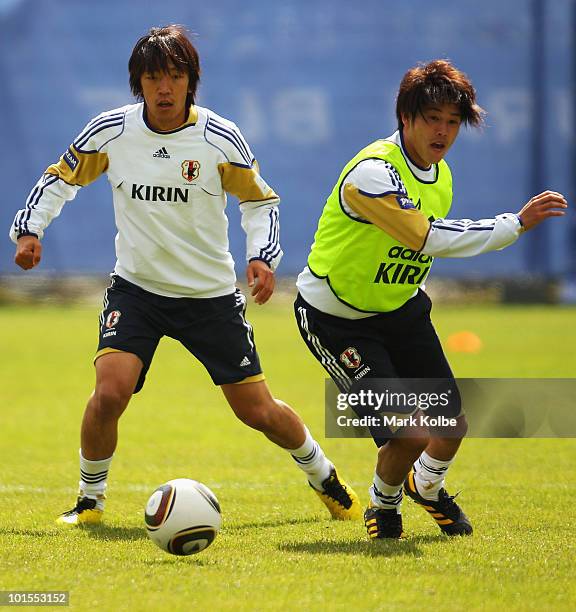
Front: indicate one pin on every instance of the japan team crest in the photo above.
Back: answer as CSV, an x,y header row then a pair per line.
x,y
351,358
112,319
190,169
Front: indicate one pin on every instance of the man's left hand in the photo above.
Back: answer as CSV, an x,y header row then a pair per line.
x,y
261,279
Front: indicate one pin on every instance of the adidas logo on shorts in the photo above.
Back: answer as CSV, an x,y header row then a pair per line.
x,y
245,362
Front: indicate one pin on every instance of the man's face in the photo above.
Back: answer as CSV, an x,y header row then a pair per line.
x,y
429,136
165,96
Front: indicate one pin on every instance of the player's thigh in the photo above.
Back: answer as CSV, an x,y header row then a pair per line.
x,y
348,350
413,343
131,323
418,355
218,334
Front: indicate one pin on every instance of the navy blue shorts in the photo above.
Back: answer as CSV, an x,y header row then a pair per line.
x,y
401,344
214,330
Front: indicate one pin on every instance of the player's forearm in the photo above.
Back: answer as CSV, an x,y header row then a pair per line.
x,y
43,204
466,238
398,217
262,227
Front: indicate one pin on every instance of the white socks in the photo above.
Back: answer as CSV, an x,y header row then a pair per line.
x,y
382,495
429,475
310,458
93,476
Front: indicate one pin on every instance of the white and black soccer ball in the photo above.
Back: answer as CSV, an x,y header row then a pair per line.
x,y
182,516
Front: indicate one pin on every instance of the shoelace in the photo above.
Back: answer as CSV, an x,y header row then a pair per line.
x,y
336,491
447,503
83,503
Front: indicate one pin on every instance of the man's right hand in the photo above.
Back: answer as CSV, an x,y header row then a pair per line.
x,y
28,252
542,206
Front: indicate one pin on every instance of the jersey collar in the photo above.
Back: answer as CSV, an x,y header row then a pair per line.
x,y
425,175
190,121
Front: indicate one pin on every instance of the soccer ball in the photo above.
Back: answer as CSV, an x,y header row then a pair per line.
x,y
182,517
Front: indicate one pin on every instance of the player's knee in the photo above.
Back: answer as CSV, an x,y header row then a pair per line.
x,y
413,442
461,428
419,444
255,419
109,401
258,416
454,432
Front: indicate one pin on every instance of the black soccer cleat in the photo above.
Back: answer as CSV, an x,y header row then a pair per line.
x,y
382,523
445,511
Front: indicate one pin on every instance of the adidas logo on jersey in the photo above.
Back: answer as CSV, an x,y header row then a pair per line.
x,y
245,362
162,153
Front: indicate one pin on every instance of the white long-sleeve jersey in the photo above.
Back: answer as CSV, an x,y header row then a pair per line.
x,y
169,191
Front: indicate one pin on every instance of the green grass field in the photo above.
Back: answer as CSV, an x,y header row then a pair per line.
x,y
277,548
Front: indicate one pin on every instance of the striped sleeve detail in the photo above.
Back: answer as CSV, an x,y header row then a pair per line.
x,y
466,238
98,125
21,224
58,184
376,177
79,168
82,163
262,227
246,183
234,147
271,249
465,225
394,178
393,213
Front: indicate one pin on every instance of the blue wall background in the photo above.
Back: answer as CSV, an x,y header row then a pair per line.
x,y
309,83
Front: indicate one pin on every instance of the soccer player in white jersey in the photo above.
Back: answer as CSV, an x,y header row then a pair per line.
x,y
170,164
361,307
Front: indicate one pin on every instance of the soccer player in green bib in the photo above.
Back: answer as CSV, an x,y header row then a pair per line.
x,y
361,307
